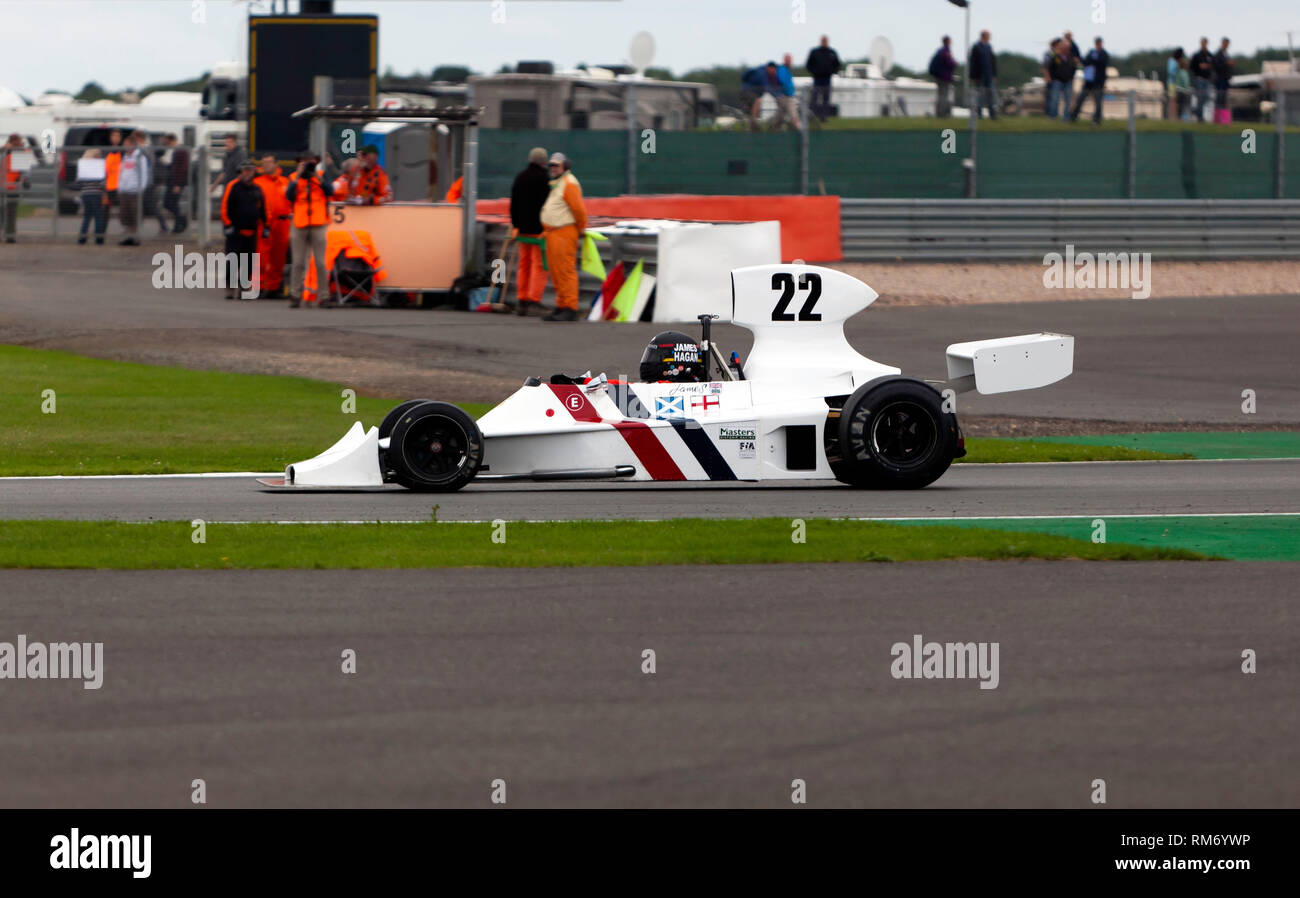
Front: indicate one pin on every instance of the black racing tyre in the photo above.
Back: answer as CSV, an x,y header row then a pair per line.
x,y
391,419
895,434
434,447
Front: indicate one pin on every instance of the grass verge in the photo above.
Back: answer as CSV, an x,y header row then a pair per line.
x,y
1197,444
986,450
170,544
1238,537
125,418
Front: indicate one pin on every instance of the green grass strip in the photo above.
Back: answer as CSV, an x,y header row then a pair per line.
x,y
986,450
124,418
170,544
1196,444
1241,538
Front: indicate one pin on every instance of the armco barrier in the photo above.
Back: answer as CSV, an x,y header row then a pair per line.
x,y
1022,229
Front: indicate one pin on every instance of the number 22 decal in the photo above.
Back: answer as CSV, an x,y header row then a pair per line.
x,y
784,281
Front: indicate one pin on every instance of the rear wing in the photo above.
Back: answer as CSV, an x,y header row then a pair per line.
x,y
1010,363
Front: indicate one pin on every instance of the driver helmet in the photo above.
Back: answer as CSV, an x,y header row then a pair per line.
x,y
674,357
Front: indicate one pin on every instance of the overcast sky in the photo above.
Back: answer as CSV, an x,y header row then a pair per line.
x,y
62,44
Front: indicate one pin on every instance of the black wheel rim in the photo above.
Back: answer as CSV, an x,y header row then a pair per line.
x,y
435,448
904,435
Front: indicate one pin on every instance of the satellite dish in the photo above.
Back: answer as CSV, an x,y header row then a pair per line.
x,y
882,54
642,51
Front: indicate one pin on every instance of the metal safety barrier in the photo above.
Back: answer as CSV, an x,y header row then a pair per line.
x,y
937,230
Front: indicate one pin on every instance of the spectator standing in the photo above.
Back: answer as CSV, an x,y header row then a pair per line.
x,y
243,212
942,67
370,182
178,175
92,202
1184,90
984,75
158,162
133,178
786,105
112,167
1176,80
1060,70
1049,84
1202,69
308,194
13,179
233,157
273,243
564,221
1224,65
823,63
528,194
1094,81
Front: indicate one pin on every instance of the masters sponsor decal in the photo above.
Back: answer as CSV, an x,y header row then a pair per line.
x,y
738,433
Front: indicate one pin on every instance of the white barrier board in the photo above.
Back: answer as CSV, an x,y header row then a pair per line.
x,y
695,262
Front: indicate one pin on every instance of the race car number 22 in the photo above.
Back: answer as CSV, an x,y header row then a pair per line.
x,y
809,281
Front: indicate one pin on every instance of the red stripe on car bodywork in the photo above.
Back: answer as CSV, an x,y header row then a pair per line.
x,y
576,403
640,437
643,441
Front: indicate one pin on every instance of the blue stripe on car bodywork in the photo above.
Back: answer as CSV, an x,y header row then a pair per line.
x,y
702,448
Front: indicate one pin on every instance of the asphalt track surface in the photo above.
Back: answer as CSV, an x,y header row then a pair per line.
x,y
1171,487
1129,672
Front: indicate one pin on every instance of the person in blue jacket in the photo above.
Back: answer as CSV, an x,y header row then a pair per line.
x,y
786,105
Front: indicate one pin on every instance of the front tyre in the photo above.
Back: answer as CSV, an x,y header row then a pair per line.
x,y
395,414
434,447
895,434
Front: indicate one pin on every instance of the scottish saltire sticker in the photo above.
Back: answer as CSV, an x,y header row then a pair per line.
x,y
670,406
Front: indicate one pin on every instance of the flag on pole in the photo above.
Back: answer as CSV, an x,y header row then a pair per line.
x,y
621,308
590,257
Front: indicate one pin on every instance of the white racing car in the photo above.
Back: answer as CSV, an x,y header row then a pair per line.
x,y
804,406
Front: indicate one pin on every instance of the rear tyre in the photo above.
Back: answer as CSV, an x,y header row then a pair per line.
x,y
434,447
895,434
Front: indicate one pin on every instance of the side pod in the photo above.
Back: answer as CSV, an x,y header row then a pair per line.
x,y
1010,363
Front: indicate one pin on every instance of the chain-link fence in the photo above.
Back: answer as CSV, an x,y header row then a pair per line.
x,y
920,159
68,191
